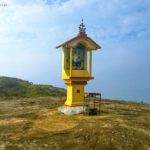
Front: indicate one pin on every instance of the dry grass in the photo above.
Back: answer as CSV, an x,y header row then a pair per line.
x,y
35,124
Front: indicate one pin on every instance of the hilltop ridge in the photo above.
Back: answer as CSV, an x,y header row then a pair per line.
x,y
17,87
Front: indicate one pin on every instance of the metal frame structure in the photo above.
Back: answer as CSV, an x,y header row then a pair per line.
x,y
92,104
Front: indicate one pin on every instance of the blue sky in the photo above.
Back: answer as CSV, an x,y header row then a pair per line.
x,y
31,29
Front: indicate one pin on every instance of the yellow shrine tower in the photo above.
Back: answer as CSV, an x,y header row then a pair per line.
x,y
77,65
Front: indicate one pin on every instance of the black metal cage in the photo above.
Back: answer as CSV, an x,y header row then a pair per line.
x,y
92,104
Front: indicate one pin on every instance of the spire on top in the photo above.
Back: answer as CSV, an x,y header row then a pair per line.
x,y
82,27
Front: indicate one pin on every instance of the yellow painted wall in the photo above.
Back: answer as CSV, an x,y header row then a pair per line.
x,y
75,95
75,88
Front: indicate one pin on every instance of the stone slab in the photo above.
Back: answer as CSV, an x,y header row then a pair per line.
x,y
71,110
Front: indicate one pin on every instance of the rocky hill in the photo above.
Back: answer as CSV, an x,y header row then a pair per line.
x,y
17,87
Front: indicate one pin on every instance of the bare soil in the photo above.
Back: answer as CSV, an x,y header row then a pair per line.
x,y
36,124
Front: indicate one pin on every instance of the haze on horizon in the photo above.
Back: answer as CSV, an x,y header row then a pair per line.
x,y
31,29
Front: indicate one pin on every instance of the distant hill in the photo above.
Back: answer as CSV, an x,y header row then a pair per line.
x,y
18,87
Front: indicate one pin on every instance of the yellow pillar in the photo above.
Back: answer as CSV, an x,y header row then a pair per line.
x,y
90,63
75,93
70,61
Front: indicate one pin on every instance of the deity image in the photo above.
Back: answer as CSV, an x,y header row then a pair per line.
x,y
78,59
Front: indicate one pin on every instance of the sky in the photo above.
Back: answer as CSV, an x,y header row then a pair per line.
x,y
30,30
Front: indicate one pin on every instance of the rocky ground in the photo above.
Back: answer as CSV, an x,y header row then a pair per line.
x,y
35,124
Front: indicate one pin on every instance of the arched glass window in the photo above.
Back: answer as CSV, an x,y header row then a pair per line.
x,y
78,57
